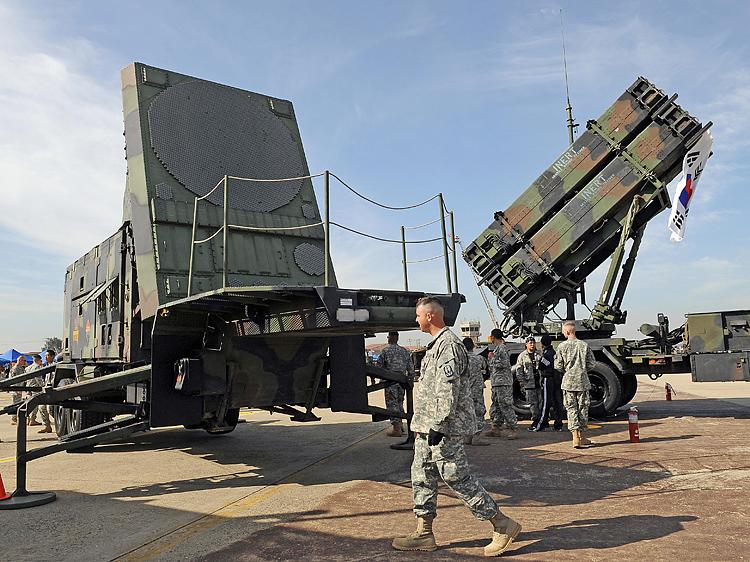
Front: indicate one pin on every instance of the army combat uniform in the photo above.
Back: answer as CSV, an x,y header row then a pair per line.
x,y
39,382
501,380
17,396
528,374
574,359
477,369
443,403
395,358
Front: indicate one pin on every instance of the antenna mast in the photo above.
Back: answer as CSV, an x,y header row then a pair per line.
x,y
571,123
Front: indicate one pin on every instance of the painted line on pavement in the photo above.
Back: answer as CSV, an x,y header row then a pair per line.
x,y
172,539
166,543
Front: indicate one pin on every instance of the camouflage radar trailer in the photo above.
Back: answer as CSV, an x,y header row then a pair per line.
x,y
217,292
590,205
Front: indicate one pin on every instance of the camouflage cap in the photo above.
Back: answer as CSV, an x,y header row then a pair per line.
x,y
530,339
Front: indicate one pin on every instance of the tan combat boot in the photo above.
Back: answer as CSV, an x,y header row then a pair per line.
x,y
584,441
495,431
421,539
511,434
576,439
397,430
504,531
46,429
475,440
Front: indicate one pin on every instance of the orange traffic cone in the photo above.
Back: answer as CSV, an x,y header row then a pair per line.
x,y
3,494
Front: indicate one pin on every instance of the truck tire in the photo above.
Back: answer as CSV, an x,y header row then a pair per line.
x,y
230,422
606,390
629,388
84,419
62,415
520,405
68,420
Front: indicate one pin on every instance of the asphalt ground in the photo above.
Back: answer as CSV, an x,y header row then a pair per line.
x,y
334,490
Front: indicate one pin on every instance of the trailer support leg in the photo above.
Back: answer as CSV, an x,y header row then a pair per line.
x,y
22,498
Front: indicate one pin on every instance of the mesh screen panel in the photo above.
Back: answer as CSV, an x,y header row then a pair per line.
x,y
201,131
310,259
309,211
164,191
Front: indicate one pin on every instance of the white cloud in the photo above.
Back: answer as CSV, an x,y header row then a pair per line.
x,y
29,315
62,168
710,263
729,109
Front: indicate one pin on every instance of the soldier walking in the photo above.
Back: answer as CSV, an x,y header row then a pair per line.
x,y
528,373
477,370
443,415
501,379
395,358
575,359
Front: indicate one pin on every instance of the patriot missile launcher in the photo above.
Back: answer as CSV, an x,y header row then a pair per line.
x,y
598,194
218,291
587,206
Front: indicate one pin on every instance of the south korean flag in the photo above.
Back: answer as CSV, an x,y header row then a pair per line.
x,y
692,168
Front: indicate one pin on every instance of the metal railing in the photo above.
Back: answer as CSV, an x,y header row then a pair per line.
x,y
326,223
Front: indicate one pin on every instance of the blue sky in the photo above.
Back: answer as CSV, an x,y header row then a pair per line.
x,y
402,99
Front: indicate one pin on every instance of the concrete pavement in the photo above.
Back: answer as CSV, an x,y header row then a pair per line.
x,y
333,490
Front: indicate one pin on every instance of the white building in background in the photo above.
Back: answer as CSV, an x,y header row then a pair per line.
x,y
470,329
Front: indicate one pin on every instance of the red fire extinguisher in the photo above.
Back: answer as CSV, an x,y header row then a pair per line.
x,y
669,391
633,425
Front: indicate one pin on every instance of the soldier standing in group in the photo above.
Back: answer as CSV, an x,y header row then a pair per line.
x,y
477,370
501,379
551,392
395,358
575,359
443,415
45,410
528,373
37,382
19,368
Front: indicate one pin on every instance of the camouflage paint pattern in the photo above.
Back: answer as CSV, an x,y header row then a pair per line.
x,y
563,229
265,339
162,225
93,299
608,196
579,163
711,332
